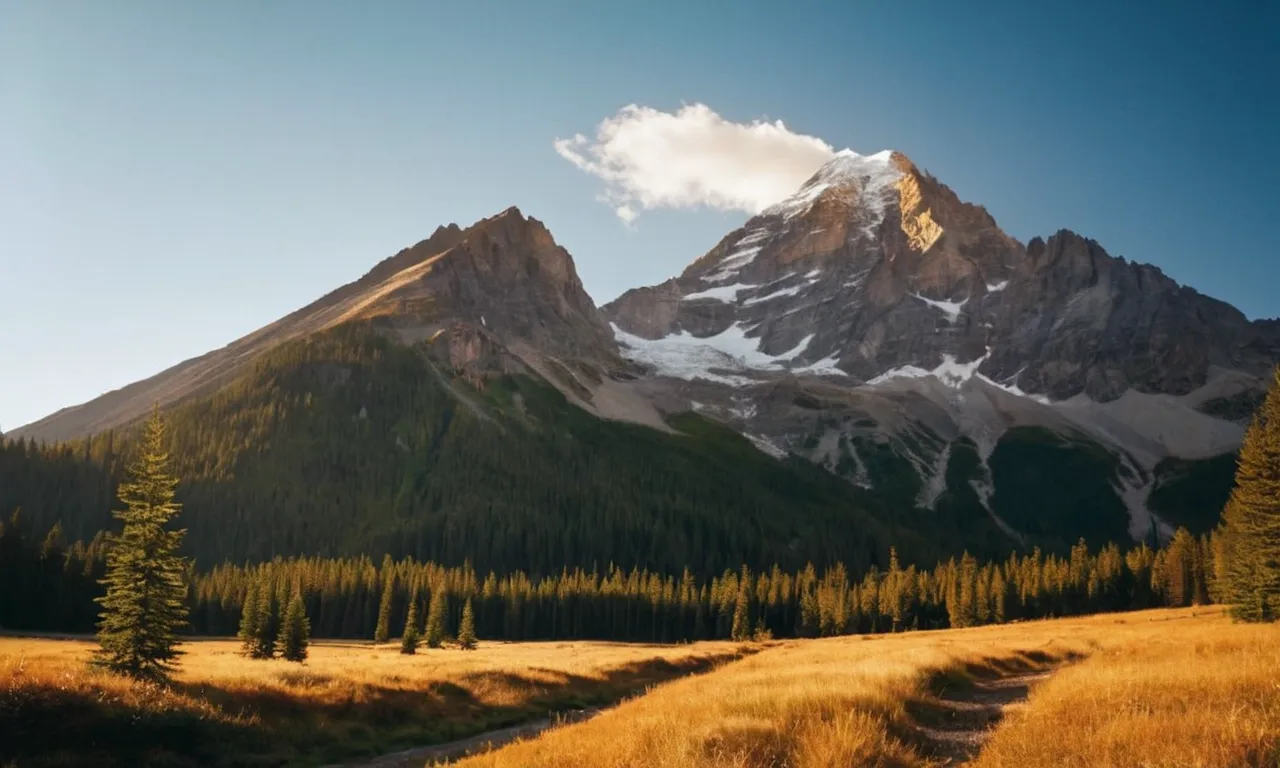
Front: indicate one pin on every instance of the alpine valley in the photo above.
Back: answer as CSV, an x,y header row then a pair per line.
x,y
869,363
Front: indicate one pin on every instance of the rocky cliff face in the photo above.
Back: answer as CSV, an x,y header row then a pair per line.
x,y
875,270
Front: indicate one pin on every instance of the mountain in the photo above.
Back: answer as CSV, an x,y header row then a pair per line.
x,y
871,362
874,318
465,400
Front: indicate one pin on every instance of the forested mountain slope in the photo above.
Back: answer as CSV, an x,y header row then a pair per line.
x,y
350,442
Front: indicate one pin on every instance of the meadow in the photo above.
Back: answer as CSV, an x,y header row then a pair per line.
x,y
1177,687
350,700
1170,687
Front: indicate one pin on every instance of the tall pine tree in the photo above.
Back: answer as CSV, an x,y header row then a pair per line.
x,y
467,628
249,618
1251,521
295,631
146,591
435,617
411,637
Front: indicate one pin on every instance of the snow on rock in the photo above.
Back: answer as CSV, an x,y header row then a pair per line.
x,y
997,287
950,372
792,291
1012,388
950,308
827,366
873,177
764,444
810,279
733,264
685,356
726,293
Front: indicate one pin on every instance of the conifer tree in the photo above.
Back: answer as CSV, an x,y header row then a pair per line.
x,y
266,622
409,641
146,590
382,632
467,628
1251,521
249,618
741,617
295,631
435,632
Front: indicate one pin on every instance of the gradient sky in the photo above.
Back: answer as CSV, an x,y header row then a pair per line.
x,y
175,175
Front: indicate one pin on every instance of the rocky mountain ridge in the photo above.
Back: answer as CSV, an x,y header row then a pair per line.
x,y
872,323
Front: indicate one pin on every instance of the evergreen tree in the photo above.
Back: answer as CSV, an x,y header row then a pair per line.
x,y
249,618
467,628
295,632
266,621
1251,521
382,632
146,589
435,618
409,641
741,617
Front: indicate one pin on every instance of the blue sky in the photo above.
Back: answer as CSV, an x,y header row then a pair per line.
x,y
174,175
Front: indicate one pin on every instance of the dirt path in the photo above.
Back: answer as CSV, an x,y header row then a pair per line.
x,y
962,718
481,742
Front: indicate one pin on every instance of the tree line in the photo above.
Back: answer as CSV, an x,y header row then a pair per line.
x,y
362,598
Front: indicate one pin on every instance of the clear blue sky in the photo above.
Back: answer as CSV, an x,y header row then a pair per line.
x,y
174,175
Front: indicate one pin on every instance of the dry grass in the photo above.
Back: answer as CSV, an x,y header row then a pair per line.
x,y
1181,687
348,700
1202,693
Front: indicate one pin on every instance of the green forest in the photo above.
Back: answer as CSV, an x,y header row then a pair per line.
x,y
51,587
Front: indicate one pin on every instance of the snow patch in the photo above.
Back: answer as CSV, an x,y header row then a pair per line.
x,y
951,373
792,291
1013,388
725,293
950,308
827,366
743,408
811,278
997,287
685,356
732,264
765,445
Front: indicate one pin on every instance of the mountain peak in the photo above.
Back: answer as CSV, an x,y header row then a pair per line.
x,y
871,178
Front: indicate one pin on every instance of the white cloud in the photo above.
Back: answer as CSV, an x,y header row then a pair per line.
x,y
693,157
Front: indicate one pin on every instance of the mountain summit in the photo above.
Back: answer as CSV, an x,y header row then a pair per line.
x,y
874,314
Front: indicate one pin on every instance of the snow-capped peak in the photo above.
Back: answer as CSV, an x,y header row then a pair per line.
x,y
872,177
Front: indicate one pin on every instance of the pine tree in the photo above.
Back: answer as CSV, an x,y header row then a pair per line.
x,y
409,641
1251,521
249,618
467,628
266,623
741,617
435,618
295,632
146,588
382,632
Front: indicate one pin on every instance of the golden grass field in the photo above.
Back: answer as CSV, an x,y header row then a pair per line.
x,y
1180,687
348,700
